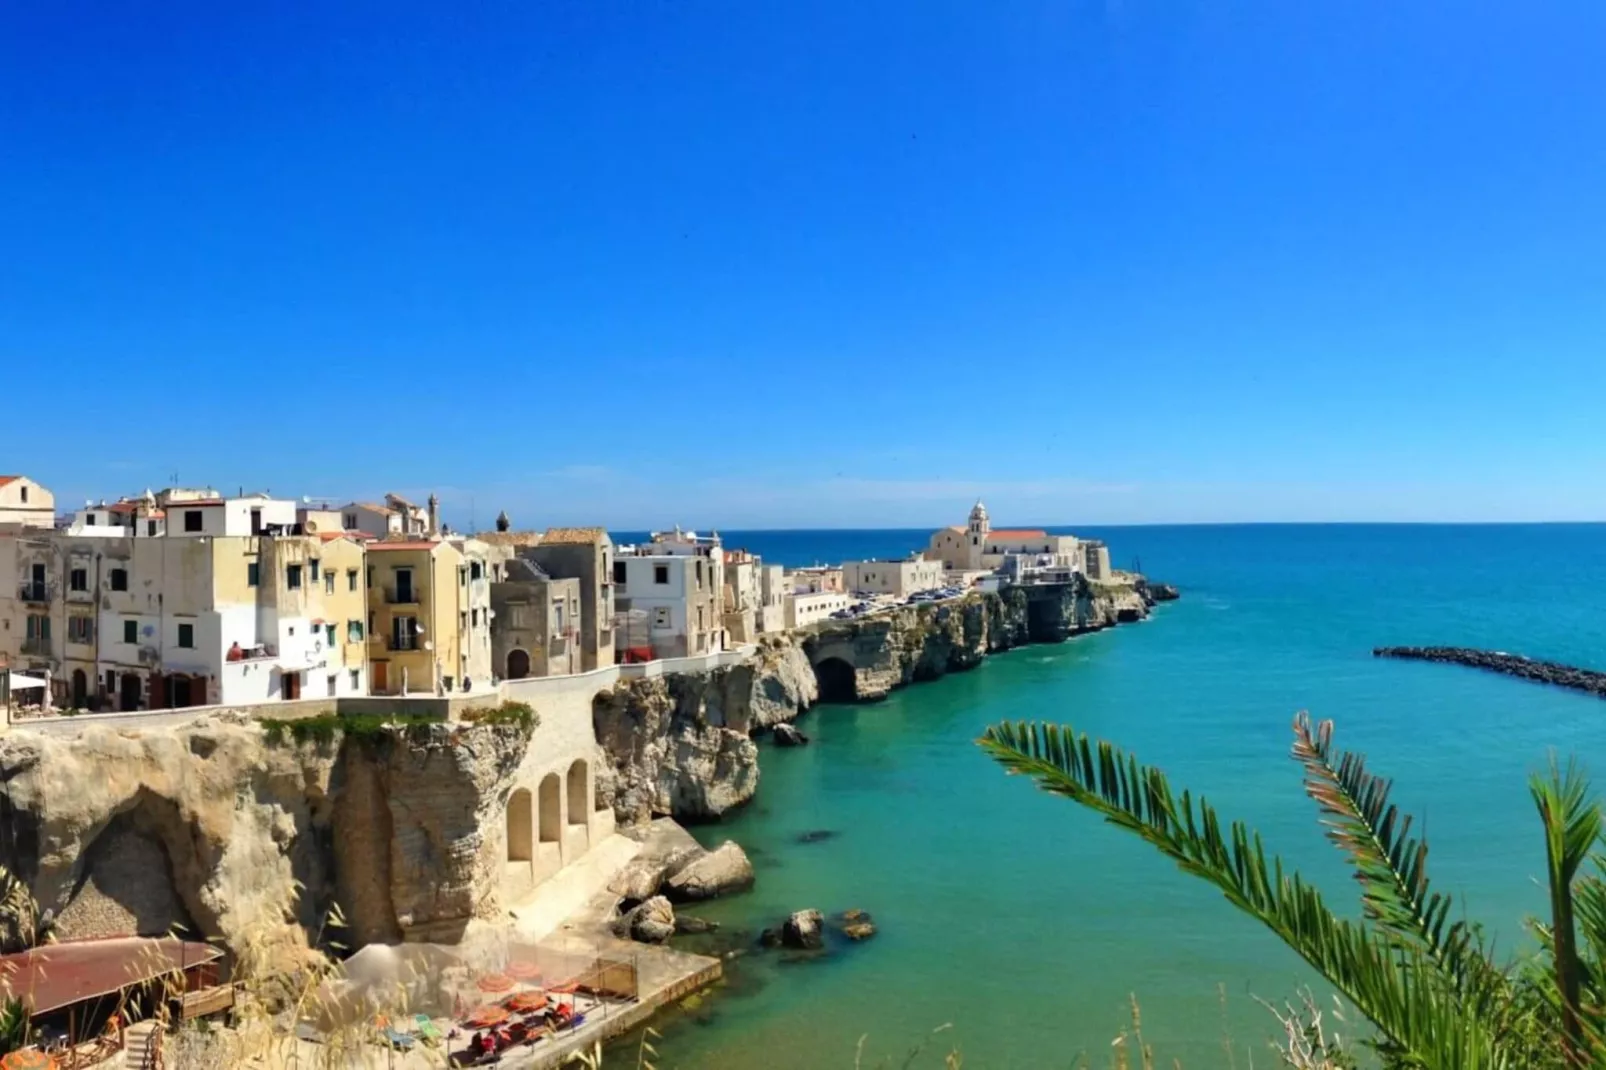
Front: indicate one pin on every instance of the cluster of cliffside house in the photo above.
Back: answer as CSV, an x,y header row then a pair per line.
x,y
188,597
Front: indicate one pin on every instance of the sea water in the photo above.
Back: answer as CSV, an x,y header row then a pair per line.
x,y
1022,923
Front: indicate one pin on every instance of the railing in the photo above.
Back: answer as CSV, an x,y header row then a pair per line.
x,y
36,646
402,642
33,592
401,596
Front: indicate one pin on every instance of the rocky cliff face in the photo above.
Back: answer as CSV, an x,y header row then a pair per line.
x,y
681,744
210,826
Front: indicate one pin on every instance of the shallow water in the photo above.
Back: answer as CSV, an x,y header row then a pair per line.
x,y
1026,923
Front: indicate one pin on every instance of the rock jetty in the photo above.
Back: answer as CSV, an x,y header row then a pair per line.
x,y
1544,672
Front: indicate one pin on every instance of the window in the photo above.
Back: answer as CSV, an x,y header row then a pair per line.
x,y
80,629
312,565
371,618
24,494
292,577
660,617
253,574
462,576
370,575
475,570
78,579
699,618
351,579
699,573
150,527
130,631
446,683
38,627
403,633
186,636
119,579
660,573
329,635
354,631
349,521
618,572
192,520
474,617
516,616
356,679
328,583
291,630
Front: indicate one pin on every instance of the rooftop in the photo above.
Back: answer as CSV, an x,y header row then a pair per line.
x,y
1018,533
404,544
59,975
574,535
8,479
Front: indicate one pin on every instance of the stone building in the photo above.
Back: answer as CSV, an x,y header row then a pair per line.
x,y
979,546
394,516
206,614
584,554
808,607
815,579
535,622
429,615
24,502
895,577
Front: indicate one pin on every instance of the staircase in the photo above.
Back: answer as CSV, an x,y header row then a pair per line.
x,y
142,1046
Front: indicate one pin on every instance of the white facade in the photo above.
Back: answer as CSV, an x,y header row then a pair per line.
x,y
901,578
394,516
253,514
805,608
978,545
22,501
772,598
679,595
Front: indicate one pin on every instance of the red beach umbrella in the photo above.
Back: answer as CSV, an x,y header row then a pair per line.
x,y
29,1059
486,1017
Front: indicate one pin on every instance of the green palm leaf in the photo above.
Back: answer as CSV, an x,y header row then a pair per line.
x,y
1397,985
1572,825
1390,864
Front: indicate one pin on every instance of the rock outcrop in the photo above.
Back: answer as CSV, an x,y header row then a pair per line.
x,y
857,925
804,930
787,735
212,827
680,744
650,922
719,872
1545,672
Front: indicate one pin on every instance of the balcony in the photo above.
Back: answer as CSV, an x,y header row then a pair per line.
x,y
33,592
38,647
76,595
402,596
401,643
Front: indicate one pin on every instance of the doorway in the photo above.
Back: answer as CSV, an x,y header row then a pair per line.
x,y
80,689
290,686
129,694
380,671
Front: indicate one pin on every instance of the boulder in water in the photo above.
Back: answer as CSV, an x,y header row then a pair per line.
x,y
725,869
787,735
804,930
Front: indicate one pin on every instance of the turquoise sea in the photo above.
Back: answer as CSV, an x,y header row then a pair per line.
x,y
1026,923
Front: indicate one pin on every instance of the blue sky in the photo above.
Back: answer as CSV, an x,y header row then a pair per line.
x,y
813,264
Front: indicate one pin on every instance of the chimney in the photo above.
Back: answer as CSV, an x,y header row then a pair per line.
x,y
434,516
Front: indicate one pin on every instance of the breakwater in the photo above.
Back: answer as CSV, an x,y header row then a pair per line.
x,y
1544,672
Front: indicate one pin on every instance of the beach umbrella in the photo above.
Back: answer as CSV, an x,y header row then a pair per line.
x,y
525,1002
486,1017
524,971
495,982
29,1059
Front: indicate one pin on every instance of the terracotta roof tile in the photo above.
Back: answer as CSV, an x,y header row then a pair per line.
x,y
1018,533
8,479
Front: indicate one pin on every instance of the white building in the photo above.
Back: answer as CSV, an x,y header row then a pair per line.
x,y
673,588
394,516
772,598
895,577
808,607
22,501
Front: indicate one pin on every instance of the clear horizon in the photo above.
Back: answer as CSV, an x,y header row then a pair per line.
x,y
833,266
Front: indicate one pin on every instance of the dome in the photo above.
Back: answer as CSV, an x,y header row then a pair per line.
x,y
978,511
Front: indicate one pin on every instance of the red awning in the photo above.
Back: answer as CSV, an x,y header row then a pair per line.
x,y
58,975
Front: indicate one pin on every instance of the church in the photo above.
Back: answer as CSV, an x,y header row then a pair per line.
x,y
978,547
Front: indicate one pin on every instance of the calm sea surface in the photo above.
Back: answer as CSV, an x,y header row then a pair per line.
x,y
1026,923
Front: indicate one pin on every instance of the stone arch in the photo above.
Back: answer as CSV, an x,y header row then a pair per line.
x,y
837,679
520,826
579,787
518,663
551,809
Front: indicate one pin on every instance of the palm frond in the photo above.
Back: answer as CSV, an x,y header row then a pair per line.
x,y
1399,987
1572,825
1390,864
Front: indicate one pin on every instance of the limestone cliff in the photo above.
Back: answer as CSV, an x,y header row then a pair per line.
x,y
210,826
681,744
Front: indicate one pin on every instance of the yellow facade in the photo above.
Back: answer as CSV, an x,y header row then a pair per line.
x,y
414,635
